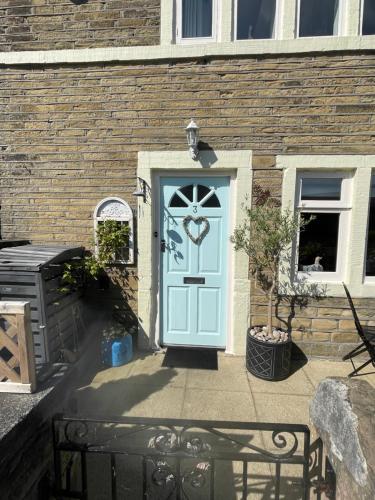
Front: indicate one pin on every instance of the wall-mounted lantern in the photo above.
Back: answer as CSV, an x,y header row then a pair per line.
x,y
192,135
141,189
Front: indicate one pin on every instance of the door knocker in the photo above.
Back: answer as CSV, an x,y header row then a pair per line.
x,y
197,220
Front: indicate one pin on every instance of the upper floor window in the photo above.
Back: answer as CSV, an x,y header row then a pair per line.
x,y
370,253
368,17
256,19
196,19
319,17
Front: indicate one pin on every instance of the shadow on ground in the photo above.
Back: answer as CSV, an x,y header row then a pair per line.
x,y
118,397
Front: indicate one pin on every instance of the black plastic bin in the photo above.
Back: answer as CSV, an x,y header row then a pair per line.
x,y
267,360
32,273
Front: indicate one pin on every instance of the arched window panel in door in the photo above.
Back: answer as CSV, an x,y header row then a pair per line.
x,y
212,202
208,196
187,191
202,192
177,202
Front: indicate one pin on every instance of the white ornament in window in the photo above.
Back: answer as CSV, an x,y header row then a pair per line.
x,y
116,209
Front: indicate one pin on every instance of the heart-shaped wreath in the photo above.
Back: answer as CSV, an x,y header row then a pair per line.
x,y
197,220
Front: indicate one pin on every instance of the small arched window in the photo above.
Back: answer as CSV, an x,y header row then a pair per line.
x,y
195,193
118,210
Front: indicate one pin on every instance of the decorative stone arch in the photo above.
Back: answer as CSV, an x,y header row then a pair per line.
x,y
114,208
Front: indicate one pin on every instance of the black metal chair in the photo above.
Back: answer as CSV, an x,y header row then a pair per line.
x,y
367,335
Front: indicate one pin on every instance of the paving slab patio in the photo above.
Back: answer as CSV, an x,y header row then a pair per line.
x,y
145,388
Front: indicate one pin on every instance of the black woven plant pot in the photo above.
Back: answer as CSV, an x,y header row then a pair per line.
x,y
266,360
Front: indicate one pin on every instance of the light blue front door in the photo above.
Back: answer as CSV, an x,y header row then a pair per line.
x,y
194,268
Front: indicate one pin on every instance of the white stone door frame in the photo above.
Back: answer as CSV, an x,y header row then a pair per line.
x,y
152,165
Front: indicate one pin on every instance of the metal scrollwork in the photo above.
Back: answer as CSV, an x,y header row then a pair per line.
x,y
167,442
179,457
279,439
195,446
76,432
197,220
196,477
163,476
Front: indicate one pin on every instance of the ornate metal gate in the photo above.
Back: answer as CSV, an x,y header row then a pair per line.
x,y
146,458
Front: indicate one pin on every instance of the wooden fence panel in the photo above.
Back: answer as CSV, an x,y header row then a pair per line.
x,y
17,359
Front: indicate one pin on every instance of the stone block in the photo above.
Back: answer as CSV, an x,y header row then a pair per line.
x,y
323,349
318,336
301,323
347,324
263,162
345,337
323,325
330,312
297,335
343,414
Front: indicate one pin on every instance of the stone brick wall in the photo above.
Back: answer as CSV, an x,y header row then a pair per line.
x,y
73,24
69,136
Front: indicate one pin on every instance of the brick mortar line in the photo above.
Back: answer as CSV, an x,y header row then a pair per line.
x,y
192,94
218,64
168,74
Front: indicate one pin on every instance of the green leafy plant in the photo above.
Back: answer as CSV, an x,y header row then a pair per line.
x,y
265,235
112,237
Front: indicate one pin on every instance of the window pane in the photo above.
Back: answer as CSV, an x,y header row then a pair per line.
x,y
196,18
319,17
187,191
178,202
255,19
202,191
370,259
122,254
368,23
321,189
318,243
212,202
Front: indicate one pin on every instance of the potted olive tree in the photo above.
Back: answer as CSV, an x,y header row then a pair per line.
x,y
265,236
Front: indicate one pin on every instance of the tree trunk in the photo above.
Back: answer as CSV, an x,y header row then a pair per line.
x,y
270,303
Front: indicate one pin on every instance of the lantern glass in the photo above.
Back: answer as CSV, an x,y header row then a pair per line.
x,y
192,132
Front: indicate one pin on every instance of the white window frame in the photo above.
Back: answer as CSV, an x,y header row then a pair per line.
x,y
340,31
197,40
360,167
368,279
123,215
277,29
342,206
362,13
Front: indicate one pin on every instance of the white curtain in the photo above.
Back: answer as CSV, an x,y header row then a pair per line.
x,y
255,19
196,18
336,22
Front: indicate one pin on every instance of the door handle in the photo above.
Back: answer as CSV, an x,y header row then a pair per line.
x,y
162,246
